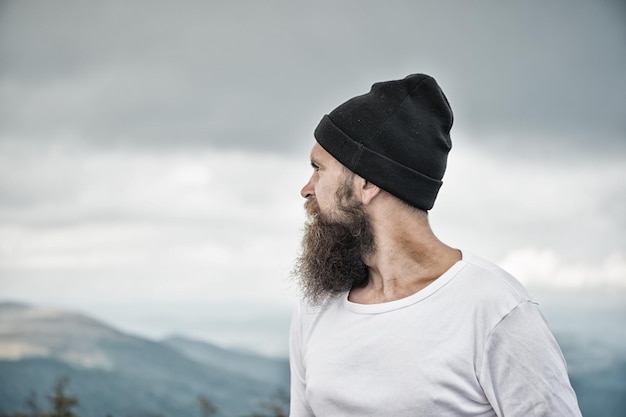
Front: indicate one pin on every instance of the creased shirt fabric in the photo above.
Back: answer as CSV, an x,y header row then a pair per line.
x,y
472,343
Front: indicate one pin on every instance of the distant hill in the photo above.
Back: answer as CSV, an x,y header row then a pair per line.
x,y
590,327
115,373
120,374
267,370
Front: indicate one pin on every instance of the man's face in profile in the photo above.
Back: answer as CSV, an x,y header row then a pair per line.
x,y
336,238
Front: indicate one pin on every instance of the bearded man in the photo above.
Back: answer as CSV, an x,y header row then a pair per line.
x,y
394,322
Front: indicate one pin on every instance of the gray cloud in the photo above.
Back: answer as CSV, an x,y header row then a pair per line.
x,y
258,75
159,147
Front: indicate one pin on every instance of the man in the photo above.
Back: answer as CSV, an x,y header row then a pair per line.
x,y
396,323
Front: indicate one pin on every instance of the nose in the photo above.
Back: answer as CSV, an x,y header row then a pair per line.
x,y
308,190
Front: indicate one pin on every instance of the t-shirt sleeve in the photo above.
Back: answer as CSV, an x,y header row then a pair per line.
x,y
298,405
523,372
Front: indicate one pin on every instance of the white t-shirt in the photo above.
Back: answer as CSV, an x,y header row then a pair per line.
x,y
472,343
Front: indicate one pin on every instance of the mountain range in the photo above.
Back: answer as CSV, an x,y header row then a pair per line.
x,y
118,374
123,375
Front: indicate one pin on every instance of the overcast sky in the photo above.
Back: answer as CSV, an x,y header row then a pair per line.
x,y
152,153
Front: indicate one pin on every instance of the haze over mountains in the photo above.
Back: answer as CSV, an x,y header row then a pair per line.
x,y
116,373
119,374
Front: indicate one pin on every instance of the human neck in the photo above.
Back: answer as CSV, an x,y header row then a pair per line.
x,y
408,257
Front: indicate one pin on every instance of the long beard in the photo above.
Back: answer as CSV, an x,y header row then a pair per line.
x,y
333,249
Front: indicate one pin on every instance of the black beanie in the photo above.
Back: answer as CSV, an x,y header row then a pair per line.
x,y
397,136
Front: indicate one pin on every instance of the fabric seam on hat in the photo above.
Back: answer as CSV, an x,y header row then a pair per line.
x,y
408,94
358,156
361,147
395,163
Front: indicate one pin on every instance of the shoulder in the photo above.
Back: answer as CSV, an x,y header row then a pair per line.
x,y
490,280
485,292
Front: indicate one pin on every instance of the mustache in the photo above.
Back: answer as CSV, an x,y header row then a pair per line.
x,y
312,208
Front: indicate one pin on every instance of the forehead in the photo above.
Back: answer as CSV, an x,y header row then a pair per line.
x,y
321,156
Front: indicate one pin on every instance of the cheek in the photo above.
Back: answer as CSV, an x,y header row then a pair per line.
x,y
329,206
325,195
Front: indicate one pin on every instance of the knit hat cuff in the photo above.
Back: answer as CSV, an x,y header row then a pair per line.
x,y
405,183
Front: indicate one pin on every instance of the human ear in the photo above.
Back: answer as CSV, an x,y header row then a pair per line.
x,y
367,190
